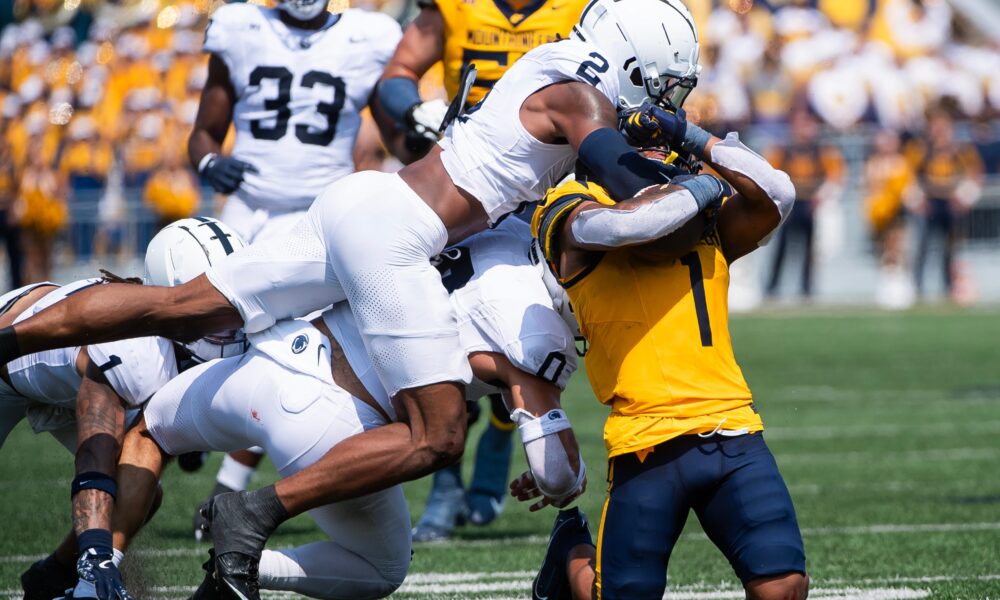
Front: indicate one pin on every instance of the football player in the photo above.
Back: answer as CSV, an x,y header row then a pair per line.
x,y
492,35
369,238
293,80
683,433
305,387
84,396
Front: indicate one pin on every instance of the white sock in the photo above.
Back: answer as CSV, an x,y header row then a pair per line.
x,y
118,557
234,475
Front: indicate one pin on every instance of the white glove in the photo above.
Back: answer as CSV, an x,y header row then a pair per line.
x,y
425,118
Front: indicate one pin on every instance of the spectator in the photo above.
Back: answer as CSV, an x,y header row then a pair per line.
x,y
814,169
889,179
85,162
9,229
42,211
950,175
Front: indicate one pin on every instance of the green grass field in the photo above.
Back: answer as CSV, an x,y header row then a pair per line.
x,y
886,427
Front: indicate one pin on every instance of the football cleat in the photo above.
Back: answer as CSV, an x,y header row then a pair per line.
x,y
445,508
47,579
569,531
209,589
237,577
238,546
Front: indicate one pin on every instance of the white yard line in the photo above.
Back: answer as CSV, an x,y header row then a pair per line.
x,y
889,528
464,583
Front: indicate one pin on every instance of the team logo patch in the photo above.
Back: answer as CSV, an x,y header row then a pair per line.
x,y
554,415
300,343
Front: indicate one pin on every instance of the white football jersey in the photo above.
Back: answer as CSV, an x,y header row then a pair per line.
x,y
299,96
488,152
134,368
502,305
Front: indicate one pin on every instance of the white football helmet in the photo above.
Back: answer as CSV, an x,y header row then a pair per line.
x,y
184,250
303,10
652,44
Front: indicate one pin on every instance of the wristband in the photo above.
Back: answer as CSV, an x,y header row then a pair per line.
x,y
695,140
98,539
203,163
533,428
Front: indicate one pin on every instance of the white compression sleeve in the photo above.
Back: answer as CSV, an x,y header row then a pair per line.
x,y
733,155
547,457
616,228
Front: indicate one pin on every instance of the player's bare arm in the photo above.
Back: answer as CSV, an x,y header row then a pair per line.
x,y
422,46
100,418
215,112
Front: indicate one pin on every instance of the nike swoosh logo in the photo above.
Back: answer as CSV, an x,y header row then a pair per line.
x,y
106,564
235,591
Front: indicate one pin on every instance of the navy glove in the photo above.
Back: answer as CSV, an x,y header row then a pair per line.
x,y
224,173
649,126
99,578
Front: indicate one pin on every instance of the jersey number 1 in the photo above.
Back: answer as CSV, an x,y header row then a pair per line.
x,y
331,110
693,263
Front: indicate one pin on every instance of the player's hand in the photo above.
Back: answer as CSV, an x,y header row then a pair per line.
x,y
650,125
525,489
224,173
99,578
425,119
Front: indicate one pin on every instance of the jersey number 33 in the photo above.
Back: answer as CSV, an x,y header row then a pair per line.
x,y
283,112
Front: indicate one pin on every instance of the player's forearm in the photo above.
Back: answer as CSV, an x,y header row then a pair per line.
x,y
118,311
655,213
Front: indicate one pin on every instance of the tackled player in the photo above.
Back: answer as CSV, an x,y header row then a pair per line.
x,y
683,433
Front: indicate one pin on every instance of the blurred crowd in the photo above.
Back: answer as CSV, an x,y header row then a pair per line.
x,y
97,100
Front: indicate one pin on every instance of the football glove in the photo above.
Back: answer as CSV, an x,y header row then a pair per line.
x,y
99,578
224,173
650,125
424,119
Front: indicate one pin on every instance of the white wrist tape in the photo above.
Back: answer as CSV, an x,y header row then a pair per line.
x,y
547,457
647,222
733,155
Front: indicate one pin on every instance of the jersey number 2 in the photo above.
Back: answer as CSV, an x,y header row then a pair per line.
x,y
590,69
693,263
331,110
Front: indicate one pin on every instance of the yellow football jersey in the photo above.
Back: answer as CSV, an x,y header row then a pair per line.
x,y
660,353
492,35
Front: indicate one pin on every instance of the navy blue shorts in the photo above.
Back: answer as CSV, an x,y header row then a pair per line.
x,y
731,483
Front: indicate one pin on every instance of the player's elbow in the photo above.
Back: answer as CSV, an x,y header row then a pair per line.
x,y
443,447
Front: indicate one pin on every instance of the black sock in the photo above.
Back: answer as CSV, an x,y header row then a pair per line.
x,y
248,519
9,348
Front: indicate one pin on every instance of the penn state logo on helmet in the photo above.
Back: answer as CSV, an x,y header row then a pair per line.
x,y
303,10
652,44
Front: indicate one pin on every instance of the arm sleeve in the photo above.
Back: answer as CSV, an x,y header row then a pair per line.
x,y
617,166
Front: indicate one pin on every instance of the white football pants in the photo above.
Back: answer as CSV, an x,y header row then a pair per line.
x,y
250,400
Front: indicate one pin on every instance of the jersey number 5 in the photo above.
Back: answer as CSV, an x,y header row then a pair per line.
x,y
693,263
331,110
